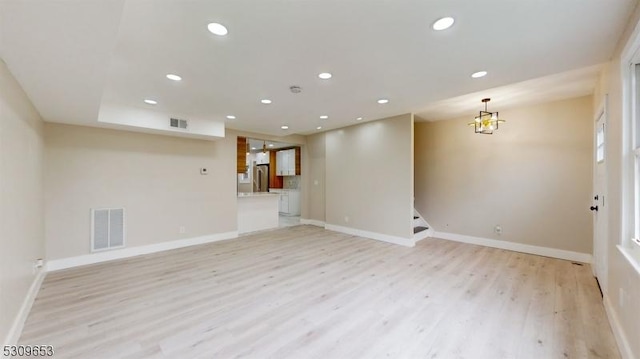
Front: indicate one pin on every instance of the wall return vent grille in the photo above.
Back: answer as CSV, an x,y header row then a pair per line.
x,y
107,228
177,123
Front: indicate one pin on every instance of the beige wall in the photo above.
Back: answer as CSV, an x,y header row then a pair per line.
x,y
369,176
533,177
155,178
21,197
622,278
314,178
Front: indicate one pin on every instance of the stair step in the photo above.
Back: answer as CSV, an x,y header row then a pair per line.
x,y
419,229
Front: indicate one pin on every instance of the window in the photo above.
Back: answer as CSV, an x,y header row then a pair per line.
x,y
600,143
635,153
635,127
630,157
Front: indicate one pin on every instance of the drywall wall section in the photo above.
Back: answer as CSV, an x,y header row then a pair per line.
x,y
21,201
155,178
369,177
533,177
314,179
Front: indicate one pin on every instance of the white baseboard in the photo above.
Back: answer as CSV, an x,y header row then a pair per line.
x,y
312,222
18,323
517,247
616,328
58,264
408,242
422,235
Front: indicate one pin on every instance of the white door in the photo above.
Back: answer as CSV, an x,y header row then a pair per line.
x,y
599,206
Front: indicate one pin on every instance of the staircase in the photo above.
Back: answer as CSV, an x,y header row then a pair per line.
x,y
421,229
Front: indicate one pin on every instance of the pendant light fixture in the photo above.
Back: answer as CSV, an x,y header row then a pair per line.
x,y
264,146
486,122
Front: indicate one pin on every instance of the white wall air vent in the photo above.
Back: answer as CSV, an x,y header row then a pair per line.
x,y
107,228
177,123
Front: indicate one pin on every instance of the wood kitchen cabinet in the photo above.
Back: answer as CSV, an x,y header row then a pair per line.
x,y
296,165
241,155
275,181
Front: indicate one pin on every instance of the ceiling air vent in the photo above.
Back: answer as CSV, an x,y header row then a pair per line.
x,y
177,123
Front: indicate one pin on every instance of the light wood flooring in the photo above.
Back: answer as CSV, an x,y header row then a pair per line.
x,y
305,292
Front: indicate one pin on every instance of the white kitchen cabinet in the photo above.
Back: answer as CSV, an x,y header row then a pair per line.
x,y
262,158
284,202
289,201
282,163
291,163
294,203
286,162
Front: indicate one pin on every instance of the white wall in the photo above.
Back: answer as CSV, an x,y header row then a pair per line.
x,y
623,284
21,197
313,171
533,176
369,176
155,178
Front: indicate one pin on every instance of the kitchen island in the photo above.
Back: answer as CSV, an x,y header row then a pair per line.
x,y
257,211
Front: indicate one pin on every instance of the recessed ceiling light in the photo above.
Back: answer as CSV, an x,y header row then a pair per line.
x,y
382,101
271,145
150,101
284,127
265,101
479,74
319,128
359,119
443,24
231,117
217,29
325,75
253,148
324,117
174,77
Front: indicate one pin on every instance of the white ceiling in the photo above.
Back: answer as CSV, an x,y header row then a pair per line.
x,y
73,57
569,84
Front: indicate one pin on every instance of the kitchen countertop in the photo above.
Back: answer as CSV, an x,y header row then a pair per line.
x,y
255,194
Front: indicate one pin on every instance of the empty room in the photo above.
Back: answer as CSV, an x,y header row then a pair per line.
x,y
320,179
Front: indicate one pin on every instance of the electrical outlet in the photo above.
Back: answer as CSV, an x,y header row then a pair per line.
x,y
183,230
497,229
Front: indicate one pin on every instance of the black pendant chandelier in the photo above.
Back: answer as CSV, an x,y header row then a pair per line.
x,y
486,122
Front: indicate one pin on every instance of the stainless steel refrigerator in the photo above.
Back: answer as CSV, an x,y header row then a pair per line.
x,y
261,178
